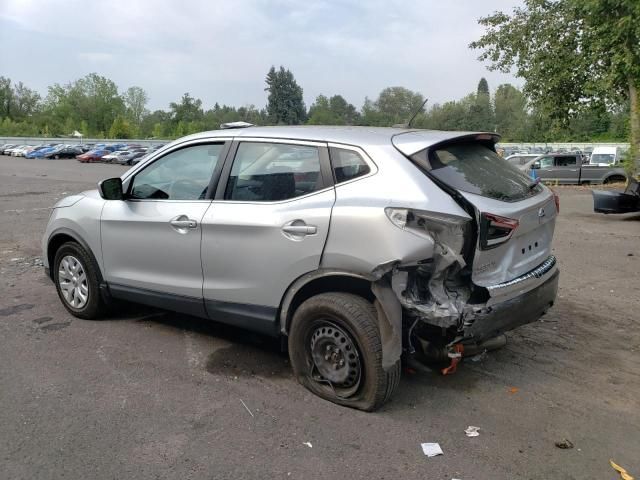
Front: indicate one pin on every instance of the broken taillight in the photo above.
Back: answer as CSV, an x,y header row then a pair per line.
x,y
495,230
444,228
556,199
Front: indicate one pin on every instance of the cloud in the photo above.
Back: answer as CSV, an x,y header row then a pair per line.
x,y
220,51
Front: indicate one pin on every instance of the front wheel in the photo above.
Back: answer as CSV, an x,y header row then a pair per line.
x,y
77,282
336,352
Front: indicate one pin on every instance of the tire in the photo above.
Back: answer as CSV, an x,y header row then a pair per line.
x,y
93,306
334,322
614,179
57,157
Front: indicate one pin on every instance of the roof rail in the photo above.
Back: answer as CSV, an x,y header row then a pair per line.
x,y
224,126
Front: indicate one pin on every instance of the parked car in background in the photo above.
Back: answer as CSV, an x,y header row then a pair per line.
x,y
6,147
605,156
567,168
92,156
135,161
39,152
134,154
22,151
9,150
354,245
63,151
113,157
520,160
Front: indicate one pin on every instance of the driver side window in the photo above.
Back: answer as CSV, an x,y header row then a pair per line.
x,y
180,175
546,162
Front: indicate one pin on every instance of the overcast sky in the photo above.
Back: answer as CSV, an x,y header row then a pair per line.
x,y
220,51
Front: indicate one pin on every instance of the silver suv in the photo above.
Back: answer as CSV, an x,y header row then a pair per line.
x,y
357,245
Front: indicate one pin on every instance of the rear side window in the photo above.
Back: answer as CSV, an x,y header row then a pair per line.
x,y
268,172
347,164
566,161
475,168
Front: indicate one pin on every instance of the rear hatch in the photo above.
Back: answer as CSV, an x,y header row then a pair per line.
x,y
515,217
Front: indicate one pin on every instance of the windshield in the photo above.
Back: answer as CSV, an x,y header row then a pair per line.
x,y
475,168
602,158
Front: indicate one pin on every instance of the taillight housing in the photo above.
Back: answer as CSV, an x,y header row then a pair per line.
x,y
556,199
495,230
447,229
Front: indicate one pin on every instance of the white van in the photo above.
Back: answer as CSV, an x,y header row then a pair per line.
x,y
604,156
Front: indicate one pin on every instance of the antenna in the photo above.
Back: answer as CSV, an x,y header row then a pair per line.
x,y
417,112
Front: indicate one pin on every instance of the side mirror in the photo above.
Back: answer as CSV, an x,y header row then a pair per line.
x,y
111,189
535,166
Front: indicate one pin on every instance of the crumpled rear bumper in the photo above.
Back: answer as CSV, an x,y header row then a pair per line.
x,y
519,310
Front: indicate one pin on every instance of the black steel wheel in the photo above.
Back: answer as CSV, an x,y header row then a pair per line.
x,y
336,351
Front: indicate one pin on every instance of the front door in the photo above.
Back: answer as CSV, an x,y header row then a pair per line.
x,y
267,227
546,171
151,240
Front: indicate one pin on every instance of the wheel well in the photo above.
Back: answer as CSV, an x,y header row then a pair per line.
x,y
60,239
615,178
331,283
54,244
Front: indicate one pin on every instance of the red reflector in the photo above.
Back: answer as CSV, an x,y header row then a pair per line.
x,y
499,221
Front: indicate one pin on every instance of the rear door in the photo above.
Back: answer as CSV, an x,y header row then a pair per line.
x,y
267,227
567,169
515,216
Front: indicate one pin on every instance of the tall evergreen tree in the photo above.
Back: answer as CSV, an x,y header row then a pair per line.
x,y
481,114
284,104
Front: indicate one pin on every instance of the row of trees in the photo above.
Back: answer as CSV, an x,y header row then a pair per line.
x,y
94,106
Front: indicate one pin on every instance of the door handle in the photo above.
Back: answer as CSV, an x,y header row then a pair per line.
x,y
182,223
298,227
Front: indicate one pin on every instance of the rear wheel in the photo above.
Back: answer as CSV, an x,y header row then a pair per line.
x,y
336,352
77,281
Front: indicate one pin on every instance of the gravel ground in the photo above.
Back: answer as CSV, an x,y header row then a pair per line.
x,y
150,394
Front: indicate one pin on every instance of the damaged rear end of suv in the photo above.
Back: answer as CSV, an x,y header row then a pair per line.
x,y
491,270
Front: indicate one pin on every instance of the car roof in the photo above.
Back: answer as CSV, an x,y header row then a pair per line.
x,y
408,141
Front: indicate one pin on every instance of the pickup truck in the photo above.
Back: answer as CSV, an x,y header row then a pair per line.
x,y
568,168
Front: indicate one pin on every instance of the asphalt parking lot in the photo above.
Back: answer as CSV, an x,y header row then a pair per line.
x,y
151,394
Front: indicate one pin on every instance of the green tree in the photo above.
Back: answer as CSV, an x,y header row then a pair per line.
x,y
332,111
189,109
121,128
510,107
285,104
135,101
481,114
573,55
6,94
93,98
395,105
453,115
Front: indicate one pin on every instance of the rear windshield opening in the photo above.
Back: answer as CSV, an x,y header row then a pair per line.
x,y
474,167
